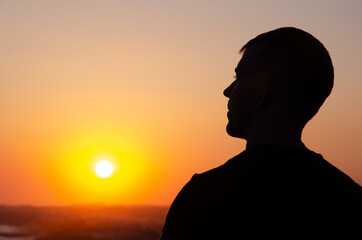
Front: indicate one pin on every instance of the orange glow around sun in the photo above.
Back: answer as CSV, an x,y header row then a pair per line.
x,y
94,170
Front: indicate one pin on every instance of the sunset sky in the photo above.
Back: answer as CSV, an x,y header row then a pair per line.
x,y
140,83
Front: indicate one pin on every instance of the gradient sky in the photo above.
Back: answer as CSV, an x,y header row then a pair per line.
x,y
141,82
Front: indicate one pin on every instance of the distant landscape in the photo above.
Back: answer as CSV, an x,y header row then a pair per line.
x,y
81,222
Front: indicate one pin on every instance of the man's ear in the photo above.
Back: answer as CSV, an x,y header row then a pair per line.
x,y
263,96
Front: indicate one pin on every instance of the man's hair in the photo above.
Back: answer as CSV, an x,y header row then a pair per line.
x,y
300,64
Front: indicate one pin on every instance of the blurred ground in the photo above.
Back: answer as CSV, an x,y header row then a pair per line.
x,y
81,222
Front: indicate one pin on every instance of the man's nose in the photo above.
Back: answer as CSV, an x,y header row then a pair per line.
x,y
229,89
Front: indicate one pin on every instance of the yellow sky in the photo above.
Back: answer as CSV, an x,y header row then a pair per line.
x,y
142,82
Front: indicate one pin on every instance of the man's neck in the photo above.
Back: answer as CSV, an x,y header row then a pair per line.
x,y
283,141
276,133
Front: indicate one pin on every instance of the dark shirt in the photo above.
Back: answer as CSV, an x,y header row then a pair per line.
x,y
268,191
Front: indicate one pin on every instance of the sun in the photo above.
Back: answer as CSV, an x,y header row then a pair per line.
x,y
104,169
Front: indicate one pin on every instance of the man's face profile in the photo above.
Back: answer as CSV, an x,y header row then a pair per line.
x,y
243,95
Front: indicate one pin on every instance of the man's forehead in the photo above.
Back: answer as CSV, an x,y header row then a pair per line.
x,y
241,65
249,58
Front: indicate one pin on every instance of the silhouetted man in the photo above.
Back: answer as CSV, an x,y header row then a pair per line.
x,y
276,187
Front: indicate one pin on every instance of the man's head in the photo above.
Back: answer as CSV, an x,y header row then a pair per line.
x,y
286,73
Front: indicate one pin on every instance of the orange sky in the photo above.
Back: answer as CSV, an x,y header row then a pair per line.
x,y
141,82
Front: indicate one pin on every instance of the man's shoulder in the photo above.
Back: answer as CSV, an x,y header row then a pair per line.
x,y
202,184
218,173
196,205
254,185
266,171
274,164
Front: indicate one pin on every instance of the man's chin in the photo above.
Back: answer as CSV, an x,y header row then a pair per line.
x,y
233,132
